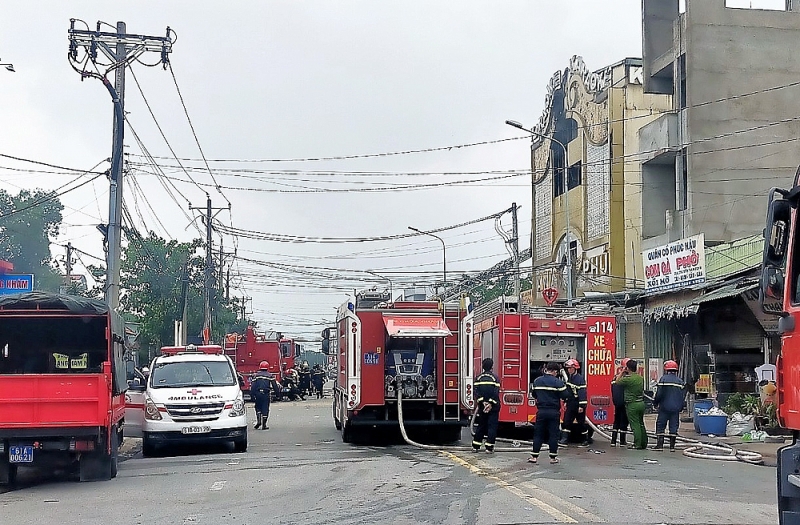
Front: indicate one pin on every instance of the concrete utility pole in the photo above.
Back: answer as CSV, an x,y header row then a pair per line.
x,y
120,49
515,247
210,275
69,261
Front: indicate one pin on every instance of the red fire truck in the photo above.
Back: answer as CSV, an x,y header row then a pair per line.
x,y
780,295
62,384
522,341
420,348
251,348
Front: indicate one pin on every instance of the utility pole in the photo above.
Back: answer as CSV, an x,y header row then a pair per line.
x,y
69,260
515,247
120,49
210,275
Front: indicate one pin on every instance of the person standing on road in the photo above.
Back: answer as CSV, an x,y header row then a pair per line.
x,y
633,387
487,405
318,380
669,402
575,414
548,391
261,389
620,415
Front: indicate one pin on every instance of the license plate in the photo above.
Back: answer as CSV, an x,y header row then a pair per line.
x,y
20,454
195,430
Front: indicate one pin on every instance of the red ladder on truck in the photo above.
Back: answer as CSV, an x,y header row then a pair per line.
x,y
451,386
512,358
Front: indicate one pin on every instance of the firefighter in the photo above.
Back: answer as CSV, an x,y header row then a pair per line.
x,y
669,402
261,389
487,405
549,391
575,413
305,379
620,416
318,380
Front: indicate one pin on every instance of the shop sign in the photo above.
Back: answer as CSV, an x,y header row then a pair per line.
x,y
11,284
675,265
703,385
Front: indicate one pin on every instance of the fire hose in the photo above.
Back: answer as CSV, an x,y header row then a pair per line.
x,y
423,446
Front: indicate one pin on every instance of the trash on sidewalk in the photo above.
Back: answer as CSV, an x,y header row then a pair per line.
x,y
739,424
651,461
754,435
713,411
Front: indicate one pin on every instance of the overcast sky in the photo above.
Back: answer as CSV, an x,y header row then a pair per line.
x,y
296,79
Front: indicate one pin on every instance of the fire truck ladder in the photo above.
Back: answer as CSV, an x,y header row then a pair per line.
x,y
512,351
451,406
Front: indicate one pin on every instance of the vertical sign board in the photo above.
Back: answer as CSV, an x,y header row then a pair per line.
x,y
11,284
601,345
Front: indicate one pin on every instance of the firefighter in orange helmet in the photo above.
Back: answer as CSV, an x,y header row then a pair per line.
x,y
575,414
261,389
668,400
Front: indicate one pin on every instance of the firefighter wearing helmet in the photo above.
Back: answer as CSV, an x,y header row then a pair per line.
x,y
668,400
574,426
261,389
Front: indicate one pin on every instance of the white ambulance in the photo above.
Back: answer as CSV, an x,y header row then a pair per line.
x,y
191,395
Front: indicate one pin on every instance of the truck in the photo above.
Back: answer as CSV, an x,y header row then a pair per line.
x,y
779,294
420,350
62,385
522,339
248,350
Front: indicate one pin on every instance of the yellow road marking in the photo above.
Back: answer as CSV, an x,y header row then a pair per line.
x,y
541,505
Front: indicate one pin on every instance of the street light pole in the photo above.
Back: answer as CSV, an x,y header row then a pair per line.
x,y
444,252
9,67
391,288
517,125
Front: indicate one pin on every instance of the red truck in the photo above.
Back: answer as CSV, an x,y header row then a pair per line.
x,y
62,384
422,349
251,348
780,295
522,341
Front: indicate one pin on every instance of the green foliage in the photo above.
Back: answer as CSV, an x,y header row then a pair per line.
x,y
745,404
496,287
152,272
29,221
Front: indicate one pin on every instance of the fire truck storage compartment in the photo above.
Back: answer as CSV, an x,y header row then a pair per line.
x,y
53,345
544,348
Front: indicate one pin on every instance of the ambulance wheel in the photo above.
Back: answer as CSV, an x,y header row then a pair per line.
x,y
240,445
148,448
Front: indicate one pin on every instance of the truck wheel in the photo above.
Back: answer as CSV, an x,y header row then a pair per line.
x,y
148,449
98,465
114,451
347,433
8,473
449,435
240,445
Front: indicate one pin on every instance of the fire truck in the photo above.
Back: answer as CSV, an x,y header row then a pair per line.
x,y
522,340
422,349
62,385
251,348
780,294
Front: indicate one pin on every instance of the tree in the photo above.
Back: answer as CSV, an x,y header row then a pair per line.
x,y
151,279
29,222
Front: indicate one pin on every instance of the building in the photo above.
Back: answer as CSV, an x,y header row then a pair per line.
x,y
708,165
586,190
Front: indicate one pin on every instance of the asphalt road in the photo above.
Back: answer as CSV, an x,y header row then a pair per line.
x,y
299,472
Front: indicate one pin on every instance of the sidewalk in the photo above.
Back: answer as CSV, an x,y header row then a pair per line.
x,y
769,449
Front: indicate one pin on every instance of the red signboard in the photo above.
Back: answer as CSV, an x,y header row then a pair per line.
x,y
550,295
601,345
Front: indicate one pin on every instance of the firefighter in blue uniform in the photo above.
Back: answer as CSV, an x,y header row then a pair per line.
x,y
487,405
668,400
261,389
575,415
549,391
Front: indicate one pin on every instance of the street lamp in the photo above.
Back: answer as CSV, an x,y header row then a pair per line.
x,y
444,252
515,124
391,294
9,67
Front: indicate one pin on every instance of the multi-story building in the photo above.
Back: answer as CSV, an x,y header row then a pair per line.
x,y
587,189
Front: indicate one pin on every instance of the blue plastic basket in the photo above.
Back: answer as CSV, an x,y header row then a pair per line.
x,y
700,405
713,424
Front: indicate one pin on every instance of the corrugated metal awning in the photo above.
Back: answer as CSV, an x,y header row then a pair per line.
x,y
729,290
687,302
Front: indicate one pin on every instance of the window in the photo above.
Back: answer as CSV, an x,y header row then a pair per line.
x,y
574,178
192,373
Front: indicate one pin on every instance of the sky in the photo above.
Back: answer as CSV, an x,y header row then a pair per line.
x,y
414,93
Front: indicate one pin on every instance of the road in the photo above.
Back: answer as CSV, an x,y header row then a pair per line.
x,y
299,472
